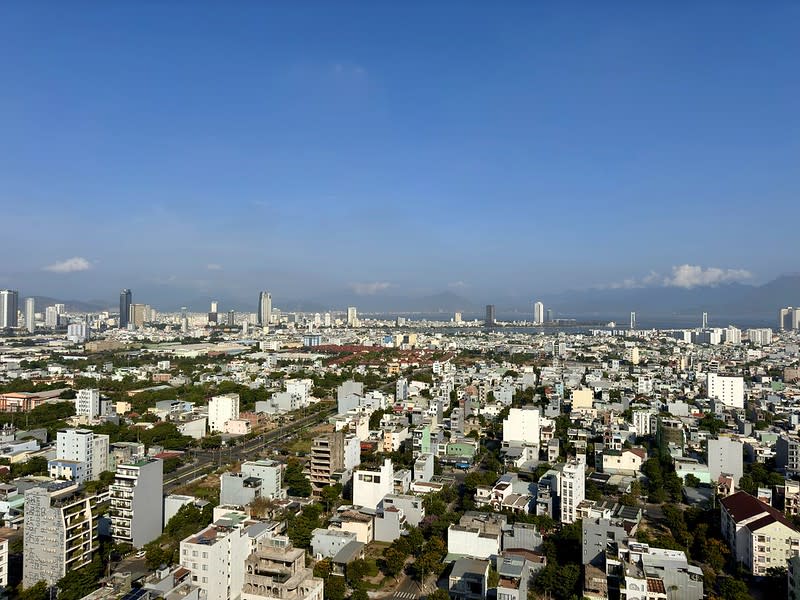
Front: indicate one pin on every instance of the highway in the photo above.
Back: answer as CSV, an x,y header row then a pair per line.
x,y
207,461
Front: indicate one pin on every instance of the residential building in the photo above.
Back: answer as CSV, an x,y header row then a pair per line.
x,y
85,447
572,488
411,506
490,315
264,315
30,314
787,454
60,532
521,427
352,316
477,535
222,409
469,579
216,557
728,390
137,505
370,486
9,301
326,543
538,313
277,571
255,479
640,572
88,403
760,537
725,457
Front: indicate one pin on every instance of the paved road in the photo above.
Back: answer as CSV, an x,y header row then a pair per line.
x,y
209,460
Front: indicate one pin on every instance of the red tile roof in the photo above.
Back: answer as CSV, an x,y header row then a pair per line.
x,y
742,506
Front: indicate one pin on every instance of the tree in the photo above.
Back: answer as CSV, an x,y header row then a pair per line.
x,y
393,561
355,572
335,588
494,578
359,593
38,591
294,479
733,589
332,496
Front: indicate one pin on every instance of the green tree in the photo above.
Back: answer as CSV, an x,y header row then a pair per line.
x,y
294,479
732,589
439,594
335,588
393,561
38,591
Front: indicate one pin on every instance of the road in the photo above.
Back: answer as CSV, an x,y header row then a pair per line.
x,y
207,461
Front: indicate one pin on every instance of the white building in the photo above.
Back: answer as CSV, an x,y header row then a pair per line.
x,y
216,557
84,446
642,421
77,333
521,427
725,456
728,390
352,316
222,409
88,403
30,315
572,488
760,337
9,300
137,505
538,313
369,487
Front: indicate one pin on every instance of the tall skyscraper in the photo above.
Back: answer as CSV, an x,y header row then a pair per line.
x,y
30,314
490,318
9,304
705,320
125,300
214,306
549,315
352,316
538,313
264,308
231,318
633,320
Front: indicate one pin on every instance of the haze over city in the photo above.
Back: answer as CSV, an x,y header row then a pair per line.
x,y
334,151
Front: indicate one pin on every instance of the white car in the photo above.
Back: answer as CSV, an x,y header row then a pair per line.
x,y
140,554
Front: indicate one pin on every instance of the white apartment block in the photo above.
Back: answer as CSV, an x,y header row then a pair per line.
x,y
642,421
369,487
521,427
137,502
84,446
572,489
728,390
222,409
216,557
725,456
88,404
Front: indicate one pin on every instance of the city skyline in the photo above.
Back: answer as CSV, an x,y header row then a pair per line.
x,y
607,147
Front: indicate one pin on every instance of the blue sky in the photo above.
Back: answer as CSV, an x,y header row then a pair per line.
x,y
191,150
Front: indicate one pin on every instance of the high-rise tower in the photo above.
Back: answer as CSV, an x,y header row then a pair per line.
x,y
490,317
30,314
264,308
125,300
9,304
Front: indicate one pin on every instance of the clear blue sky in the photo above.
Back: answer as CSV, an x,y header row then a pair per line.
x,y
186,149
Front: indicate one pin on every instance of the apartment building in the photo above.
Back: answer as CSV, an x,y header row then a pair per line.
x,y
278,571
222,409
256,479
728,390
572,488
371,485
137,506
787,454
60,531
725,456
80,446
521,427
216,556
759,536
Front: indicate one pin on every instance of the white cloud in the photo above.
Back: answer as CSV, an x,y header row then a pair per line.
x,y
214,267
370,289
71,265
459,285
685,276
689,276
